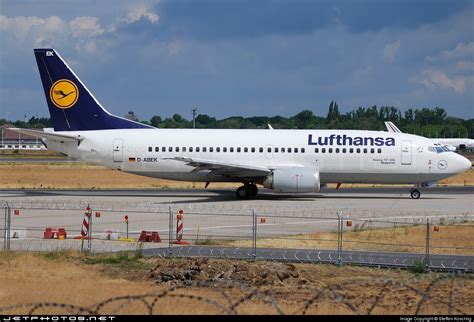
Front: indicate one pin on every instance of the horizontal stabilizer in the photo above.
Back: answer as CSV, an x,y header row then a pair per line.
x,y
49,135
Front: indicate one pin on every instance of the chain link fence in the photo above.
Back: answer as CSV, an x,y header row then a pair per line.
x,y
436,241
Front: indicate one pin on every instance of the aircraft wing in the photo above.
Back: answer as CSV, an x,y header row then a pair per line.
x,y
49,135
224,168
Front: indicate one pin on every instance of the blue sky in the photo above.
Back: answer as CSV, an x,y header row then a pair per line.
x,y
245,57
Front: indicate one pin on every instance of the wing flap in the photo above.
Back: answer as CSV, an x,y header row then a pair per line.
x,y
224,168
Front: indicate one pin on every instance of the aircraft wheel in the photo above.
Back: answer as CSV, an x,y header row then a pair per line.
x,y
252,190
415,194
242,193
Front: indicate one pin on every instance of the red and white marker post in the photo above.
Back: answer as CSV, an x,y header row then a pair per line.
x,y
180,228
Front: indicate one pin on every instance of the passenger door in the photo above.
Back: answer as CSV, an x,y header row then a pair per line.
x,y
406,153
118,150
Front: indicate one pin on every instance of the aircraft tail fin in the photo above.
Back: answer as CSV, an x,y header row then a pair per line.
x,y
392,128
71,105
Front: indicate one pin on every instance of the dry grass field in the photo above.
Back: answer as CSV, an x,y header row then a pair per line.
x,y
448,239
207,286
16,175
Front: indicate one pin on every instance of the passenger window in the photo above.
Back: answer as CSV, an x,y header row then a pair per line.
x,y
176,149
170,149
365,150
323,150
358,150
379,150
190,149
282,150
150,149
218,149
238,150
316,150
197,149
269,150
302,150
260,150
276,150
337,150
246,150
330,150
224,149
372,150
289,150
211,149
351,150
296,150
163,149
253,150
231,150
184,149
204,149
157,149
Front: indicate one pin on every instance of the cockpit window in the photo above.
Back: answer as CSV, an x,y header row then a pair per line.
x,y
438,148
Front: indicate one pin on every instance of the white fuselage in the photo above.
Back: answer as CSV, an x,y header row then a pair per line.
x,y
338,155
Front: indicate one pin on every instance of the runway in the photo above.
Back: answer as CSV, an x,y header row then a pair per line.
x,y
357,201
218,215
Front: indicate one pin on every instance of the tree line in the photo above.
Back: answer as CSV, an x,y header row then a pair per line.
x,y
428,122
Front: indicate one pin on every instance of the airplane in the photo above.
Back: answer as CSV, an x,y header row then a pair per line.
x,y
455,144
287,161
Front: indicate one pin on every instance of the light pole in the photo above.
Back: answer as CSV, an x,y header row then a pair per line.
x,y
194,117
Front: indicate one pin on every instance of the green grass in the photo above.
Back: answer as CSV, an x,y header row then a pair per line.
x,y
126,260
419,267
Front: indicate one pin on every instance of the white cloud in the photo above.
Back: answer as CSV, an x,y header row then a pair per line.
x,y
136,12
465,66
34,30
461,51
53,31
391,50
436,79
86,27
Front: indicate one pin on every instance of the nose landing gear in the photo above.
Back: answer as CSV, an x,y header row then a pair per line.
x,y
415,193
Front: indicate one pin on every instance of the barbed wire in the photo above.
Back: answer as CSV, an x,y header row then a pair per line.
x,y
227,305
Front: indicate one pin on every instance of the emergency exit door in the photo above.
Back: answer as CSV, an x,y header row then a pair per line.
x,y
118,150
406,153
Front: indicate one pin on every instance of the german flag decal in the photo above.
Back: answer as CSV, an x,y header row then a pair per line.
x,y
132,159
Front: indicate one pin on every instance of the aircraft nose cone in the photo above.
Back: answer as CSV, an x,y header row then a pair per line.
x,y
463,164
467,164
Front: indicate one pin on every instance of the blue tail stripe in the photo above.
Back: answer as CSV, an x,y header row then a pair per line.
x,y
84,113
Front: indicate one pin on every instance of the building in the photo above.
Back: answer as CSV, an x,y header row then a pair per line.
x,y
131,116
10,140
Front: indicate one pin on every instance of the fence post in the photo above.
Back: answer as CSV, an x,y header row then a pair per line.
x,y
170,232
427,245
89,242
6,226
9,221
254,234
339,238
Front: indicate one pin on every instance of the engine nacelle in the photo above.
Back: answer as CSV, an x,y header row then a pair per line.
x,y
299,180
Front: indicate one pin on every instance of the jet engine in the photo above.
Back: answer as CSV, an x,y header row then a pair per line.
x,y
299,180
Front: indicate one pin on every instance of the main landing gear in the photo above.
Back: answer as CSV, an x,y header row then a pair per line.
x,y
248,190
415,193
